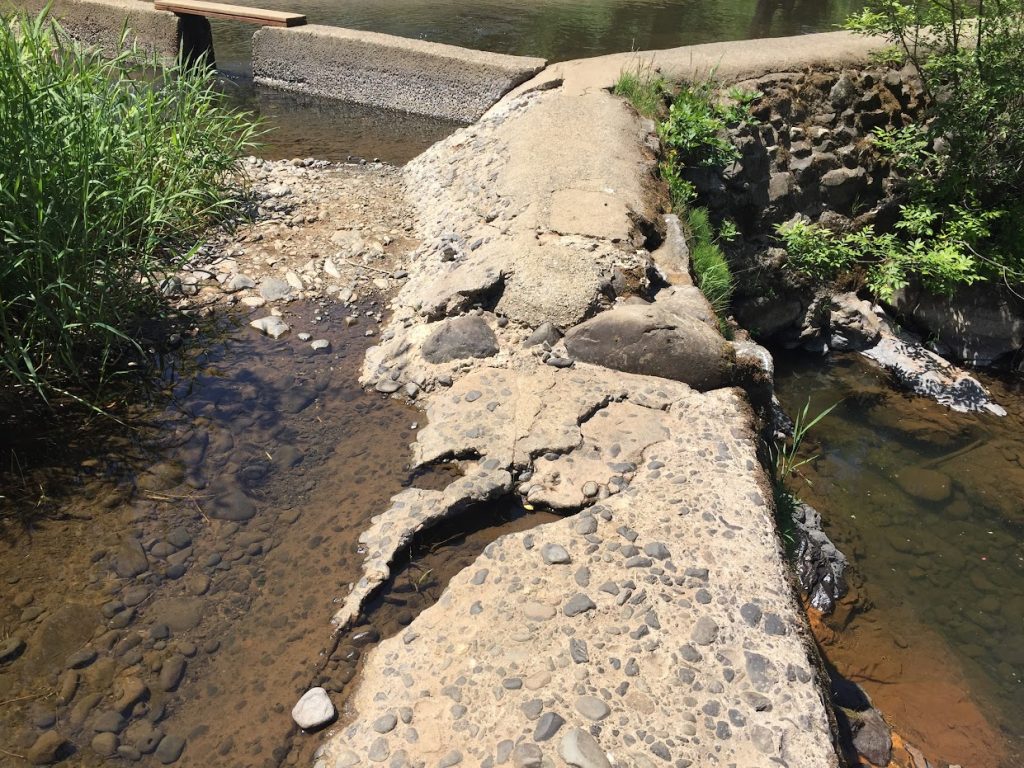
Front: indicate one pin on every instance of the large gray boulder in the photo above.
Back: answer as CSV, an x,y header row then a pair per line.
x,y
655,340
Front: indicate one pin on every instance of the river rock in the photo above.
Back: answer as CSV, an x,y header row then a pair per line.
x,y
459,338
313,709
11,648
179,613
169,749
925,484
652,340
271,326
578,748
46,748
853,323
104,744
979,324
546,333
171,672
274,288
130,559
871,736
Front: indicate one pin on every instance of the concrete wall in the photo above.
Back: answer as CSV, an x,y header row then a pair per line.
x,y
386,71
98,23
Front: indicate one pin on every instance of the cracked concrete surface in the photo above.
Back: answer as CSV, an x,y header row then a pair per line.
x,y
655,624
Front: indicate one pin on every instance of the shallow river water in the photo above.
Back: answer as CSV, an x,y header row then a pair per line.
x,y
929,506
166,592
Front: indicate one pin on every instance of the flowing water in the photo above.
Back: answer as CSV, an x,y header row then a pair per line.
x,y
552,29
168,589
929,507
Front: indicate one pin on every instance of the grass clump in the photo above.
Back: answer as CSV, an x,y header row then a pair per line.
x,y
714,277
643,88
107,169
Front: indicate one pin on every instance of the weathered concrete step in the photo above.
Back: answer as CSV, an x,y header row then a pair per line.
x,y
386,71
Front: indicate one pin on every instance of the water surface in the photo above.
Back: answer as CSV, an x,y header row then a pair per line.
x,y
929,506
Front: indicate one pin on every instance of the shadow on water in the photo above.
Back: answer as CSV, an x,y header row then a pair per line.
x,y
929,506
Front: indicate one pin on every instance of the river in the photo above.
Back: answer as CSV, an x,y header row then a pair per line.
x,y
928,505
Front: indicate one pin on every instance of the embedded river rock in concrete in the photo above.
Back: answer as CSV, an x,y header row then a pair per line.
x,y
658,624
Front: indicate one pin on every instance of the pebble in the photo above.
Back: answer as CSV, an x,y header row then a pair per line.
x,y
705,631
554,554
104,744
45,748
385,723
592,707
579,749
313,709
577,604
171,672
548,726
169,749
525,755
538,611
319,345
10,648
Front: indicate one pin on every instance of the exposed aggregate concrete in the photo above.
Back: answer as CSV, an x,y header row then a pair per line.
x,y
657,625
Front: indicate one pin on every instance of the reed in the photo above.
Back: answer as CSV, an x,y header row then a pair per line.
x,y
110,169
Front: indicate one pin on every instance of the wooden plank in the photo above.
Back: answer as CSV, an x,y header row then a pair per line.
x,y
232,12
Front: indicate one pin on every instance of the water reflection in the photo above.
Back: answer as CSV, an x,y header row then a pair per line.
x,y
554,29
929,505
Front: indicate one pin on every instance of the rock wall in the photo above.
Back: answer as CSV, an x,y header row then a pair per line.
x,y
386,71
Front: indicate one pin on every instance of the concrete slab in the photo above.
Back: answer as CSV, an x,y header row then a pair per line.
x,y
386,71
98,24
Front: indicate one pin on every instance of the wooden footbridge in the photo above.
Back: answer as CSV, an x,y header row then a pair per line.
x,y
243,13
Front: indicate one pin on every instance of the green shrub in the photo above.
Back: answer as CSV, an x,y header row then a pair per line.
x,y
965,161
107,169
938,248
693,135
644,89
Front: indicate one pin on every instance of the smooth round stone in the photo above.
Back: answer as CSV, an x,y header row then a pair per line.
x,y
554,554
385,723
592,708
538,611
313,709
169,749
104,744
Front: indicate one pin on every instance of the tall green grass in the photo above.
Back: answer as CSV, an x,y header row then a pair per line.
x,y
710,267
643,88
108,168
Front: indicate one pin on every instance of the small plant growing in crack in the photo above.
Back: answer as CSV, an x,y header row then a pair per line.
x,y
785,464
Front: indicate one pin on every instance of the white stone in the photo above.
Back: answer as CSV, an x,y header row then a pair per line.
x,y
294,280
255,302
331,269
318,344
313,709
272,326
